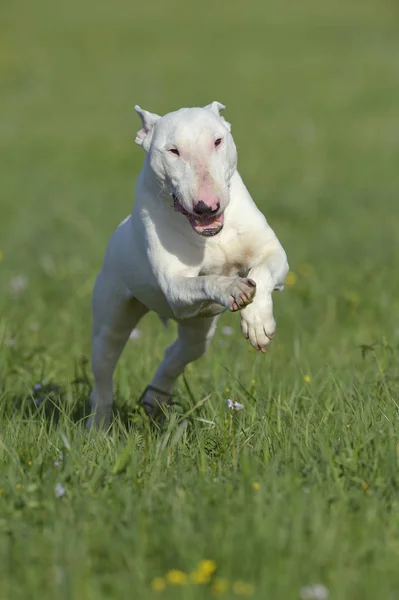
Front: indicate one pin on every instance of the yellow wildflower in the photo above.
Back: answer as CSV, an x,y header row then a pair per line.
x,y
203,572
227,390
256,486
219,586
200,577
18,486
306,378
158,584
1,490
207,566
240,588
29,463
176,577
291,279
365,485
348,425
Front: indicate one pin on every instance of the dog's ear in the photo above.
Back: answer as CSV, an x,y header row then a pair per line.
x,y
148,120
216,107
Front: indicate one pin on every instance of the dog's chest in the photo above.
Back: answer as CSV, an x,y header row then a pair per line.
x,y
232,254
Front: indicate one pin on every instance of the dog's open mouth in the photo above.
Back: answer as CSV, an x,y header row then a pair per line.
x,y
206,225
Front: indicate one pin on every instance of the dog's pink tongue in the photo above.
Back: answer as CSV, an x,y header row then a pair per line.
x,y
201,224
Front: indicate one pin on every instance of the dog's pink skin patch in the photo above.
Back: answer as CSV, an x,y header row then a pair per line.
x,y
207,191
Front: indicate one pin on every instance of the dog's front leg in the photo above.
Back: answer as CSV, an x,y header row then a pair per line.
x,y
257,320
187,296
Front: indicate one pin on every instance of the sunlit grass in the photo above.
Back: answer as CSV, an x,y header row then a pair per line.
x,y
294,494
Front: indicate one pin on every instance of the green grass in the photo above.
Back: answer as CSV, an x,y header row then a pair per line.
x,y
312,92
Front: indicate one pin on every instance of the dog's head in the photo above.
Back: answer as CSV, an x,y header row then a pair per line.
x,y
193,155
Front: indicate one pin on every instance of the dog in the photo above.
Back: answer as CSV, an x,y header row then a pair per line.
x,y
194,246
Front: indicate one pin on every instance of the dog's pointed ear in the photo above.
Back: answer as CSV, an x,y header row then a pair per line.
x,y
216,107
148,120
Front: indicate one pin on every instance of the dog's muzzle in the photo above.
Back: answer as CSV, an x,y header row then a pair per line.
x,y
207,225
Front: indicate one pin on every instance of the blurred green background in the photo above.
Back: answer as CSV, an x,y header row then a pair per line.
x,y
312,92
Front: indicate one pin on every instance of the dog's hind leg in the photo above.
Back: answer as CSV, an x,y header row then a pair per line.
x,y
115,314
194,338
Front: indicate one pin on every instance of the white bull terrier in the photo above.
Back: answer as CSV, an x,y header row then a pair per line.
x,y
194,246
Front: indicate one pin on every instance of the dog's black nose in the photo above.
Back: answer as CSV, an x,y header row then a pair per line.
x,y
204,209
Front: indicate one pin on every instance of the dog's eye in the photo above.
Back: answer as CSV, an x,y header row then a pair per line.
x,y
174,151
218,142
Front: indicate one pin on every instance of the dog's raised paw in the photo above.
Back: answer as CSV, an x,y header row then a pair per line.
x,y
258,328
242,293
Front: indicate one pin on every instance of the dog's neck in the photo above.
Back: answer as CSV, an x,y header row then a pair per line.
x,y
152,186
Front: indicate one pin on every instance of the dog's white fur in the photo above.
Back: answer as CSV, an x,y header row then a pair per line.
x,y
157,260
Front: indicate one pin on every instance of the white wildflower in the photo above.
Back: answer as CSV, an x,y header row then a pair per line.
x,y
18,284
57,463
234,405
227,330
136,334
37,398
59,490
316,591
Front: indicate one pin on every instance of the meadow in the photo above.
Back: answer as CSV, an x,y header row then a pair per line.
x,y
301,486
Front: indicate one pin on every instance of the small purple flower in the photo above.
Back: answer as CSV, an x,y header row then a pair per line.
x,y
234,405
